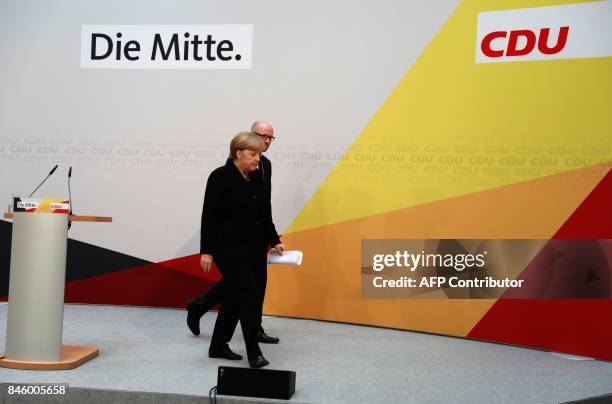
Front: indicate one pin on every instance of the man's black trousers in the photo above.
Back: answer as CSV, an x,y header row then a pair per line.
x,y
214,295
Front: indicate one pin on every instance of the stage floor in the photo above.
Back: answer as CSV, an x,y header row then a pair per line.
x,y
151,350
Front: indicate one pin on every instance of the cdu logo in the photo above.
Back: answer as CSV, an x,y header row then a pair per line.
x,y
542,33
523,42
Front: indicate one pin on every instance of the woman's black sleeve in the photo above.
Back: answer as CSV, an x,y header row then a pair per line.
x,y
211,213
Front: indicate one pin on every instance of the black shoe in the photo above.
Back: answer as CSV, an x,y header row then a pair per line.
x,y
258,362
193,318
224,352
266,339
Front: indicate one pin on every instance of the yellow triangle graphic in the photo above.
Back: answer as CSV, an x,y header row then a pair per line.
x,y
453,127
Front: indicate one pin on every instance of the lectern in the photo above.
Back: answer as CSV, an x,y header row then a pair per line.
x,y
36,293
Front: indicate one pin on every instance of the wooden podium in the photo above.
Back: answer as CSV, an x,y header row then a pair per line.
x,y
36,293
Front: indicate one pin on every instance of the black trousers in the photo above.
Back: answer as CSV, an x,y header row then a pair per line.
x,y
240,301
214,295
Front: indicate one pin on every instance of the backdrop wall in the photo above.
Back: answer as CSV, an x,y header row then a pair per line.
x,y
391,123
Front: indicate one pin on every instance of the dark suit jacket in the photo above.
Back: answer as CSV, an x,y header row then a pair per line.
x,y
265,166
237,214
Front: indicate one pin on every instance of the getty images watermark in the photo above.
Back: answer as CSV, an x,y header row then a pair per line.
x,y
447,268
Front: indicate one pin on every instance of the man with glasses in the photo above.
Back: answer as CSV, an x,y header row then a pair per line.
x,y
198,306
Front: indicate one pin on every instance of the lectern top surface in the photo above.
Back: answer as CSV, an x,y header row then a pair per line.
x,y
72,218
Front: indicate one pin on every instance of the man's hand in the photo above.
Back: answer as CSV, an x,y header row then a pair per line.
x,y
206,262
279,248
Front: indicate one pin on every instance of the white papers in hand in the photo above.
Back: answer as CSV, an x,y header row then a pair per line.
x,y
288,258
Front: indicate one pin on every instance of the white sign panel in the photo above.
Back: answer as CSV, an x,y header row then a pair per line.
x,y
560,32
166,46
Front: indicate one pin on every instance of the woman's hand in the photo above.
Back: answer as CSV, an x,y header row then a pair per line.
x,y
279,248
206,262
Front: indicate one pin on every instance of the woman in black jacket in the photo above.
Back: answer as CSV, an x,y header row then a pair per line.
x,y
236,231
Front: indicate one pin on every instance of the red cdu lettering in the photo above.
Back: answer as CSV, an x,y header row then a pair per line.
x,y
528,40
558,47
485,45
513,41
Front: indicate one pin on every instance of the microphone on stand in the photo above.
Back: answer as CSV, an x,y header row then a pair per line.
x,y
43,181
69,198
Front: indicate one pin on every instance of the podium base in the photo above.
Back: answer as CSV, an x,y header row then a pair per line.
x,y
72,356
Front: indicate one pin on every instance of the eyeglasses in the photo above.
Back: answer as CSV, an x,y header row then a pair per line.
x,y
265,137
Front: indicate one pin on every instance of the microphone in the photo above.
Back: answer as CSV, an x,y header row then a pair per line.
x,y
69,194
43,181
69,198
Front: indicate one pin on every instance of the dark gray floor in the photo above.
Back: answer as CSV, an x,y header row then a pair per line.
x,y
151,350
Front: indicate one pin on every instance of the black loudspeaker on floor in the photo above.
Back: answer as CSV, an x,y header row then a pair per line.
x,y
262,383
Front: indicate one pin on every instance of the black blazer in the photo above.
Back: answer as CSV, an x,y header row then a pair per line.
x,y
237,215
265,166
